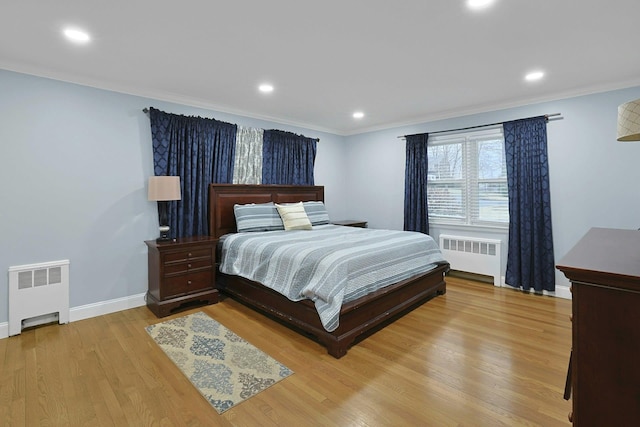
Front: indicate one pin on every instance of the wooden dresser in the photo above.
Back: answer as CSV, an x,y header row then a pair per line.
x,y
181,274
604,269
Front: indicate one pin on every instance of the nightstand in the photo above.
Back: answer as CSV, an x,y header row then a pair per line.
x,y
181,274
351,223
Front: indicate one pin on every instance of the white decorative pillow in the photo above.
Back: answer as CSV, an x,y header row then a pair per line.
x,y
294,216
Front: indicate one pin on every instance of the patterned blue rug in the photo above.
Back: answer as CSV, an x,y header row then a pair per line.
x,y
222,366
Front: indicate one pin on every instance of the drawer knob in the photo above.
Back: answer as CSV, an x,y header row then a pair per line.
x,y
189,254
188,282
189,265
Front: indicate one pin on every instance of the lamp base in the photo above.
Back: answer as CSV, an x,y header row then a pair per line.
x,y
164,234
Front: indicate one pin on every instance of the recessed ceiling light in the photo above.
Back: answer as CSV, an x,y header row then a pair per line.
x,y
265,88
77,36
479,4
358,115
533,76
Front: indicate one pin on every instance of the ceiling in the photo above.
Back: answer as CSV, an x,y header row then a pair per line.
x,y
400,62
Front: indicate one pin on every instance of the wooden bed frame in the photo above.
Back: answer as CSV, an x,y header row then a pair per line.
x,y
358,318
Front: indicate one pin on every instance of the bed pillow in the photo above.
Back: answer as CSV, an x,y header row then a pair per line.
x,y
316,212
294,216
257,217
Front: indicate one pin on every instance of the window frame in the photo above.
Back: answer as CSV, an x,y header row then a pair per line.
x,y
469,140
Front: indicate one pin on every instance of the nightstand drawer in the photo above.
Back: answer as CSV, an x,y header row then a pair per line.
x,y
186,267
187,283
186,255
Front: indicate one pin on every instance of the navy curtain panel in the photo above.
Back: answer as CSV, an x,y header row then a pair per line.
x,y
199,150
287,158
530,260
416,208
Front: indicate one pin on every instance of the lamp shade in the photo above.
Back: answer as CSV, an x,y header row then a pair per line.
x,y
163,188
629,121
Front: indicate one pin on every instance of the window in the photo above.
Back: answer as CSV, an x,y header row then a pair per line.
x,y
467,178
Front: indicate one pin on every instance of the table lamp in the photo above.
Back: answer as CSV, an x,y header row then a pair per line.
x,y
164,189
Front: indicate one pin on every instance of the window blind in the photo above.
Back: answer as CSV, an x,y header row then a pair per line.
x,y
467,181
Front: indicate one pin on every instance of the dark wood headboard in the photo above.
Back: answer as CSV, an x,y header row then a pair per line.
x,y
222,197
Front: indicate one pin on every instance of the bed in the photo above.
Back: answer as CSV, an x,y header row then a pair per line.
x,y
358,318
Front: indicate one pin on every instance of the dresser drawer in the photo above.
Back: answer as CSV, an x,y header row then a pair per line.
x,y
186,255
187,266
187,283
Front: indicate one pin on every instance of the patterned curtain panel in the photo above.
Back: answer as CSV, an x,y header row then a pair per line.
x,y
200,151
287,158
530,260
416,208
248,159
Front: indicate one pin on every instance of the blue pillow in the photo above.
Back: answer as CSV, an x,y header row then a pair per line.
x,y
257,217
316,212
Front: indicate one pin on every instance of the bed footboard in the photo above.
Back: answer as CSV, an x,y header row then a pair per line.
x,y
358,319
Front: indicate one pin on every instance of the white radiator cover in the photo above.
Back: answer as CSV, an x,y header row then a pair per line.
x,y
473,255
38,293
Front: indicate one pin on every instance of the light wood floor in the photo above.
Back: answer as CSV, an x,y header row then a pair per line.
x,y
477,356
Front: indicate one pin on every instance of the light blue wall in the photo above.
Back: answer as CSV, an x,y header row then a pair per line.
x,y
74,164
594,178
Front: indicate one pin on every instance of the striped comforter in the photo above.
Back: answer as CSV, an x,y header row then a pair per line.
x,y
330,264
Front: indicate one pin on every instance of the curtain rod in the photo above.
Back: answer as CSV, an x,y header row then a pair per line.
x,y
546,116
146,110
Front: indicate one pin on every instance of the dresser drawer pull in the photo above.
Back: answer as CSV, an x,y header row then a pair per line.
x,y
189,265
188,282
189,254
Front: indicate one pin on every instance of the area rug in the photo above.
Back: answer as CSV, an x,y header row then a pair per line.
x,y
225,368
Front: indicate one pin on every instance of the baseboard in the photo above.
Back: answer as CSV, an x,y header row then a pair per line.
x,y
560,292
93,310
106,307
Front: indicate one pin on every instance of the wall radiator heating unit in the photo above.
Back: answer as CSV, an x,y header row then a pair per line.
x,y
473,255
38,293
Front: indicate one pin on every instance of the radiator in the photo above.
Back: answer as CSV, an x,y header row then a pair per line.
x,y
38,293
473,255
